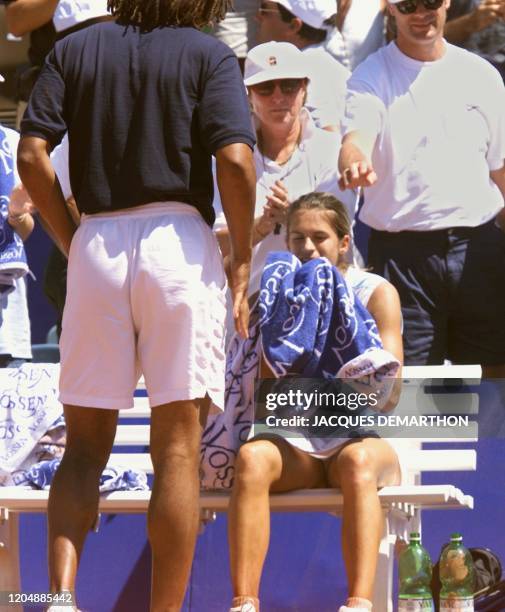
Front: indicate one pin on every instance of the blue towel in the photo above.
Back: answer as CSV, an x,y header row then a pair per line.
x,y
312,325
113,478
13,263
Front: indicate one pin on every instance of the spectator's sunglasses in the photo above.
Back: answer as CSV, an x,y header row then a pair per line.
x,y
288,87
407,7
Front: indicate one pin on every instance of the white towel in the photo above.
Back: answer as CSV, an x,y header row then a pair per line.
x,y
28,407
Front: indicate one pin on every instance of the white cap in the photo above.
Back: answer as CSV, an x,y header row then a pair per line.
x,y
1,79
274,60
312,12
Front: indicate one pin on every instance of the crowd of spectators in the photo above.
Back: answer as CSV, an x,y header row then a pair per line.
x,y
334,36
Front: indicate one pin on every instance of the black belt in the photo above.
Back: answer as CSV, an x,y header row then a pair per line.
x,y
462,231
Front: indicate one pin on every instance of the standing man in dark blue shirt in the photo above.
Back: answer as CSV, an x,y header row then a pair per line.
x,y
146,100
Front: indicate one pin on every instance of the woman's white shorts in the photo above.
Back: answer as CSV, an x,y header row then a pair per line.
x,y
145,294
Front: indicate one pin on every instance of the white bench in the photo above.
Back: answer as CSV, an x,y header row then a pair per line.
x,y
401,504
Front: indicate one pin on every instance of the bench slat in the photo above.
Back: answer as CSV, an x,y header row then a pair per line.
x,y
17,499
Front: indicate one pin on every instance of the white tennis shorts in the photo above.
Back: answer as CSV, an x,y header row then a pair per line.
x,y
145,294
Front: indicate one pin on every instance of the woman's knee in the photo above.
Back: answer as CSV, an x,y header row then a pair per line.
x,y
257,465
355,467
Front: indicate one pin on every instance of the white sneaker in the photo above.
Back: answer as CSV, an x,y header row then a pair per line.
x,y
245,607
347,609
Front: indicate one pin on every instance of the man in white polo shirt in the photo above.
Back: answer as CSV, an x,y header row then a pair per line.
x,y
425,133
305,24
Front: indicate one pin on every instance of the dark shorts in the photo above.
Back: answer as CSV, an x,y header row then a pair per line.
x,y
452,291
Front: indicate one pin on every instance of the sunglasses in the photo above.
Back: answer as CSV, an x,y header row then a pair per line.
x,y
288,87
407,7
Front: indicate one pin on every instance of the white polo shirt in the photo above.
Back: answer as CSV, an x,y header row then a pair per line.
x,y
440,130
312,167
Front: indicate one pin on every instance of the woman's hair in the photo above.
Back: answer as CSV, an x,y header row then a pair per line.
x,y
151,14
327,203
309,33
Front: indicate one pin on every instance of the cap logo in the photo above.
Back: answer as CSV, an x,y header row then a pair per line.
x,y
272,61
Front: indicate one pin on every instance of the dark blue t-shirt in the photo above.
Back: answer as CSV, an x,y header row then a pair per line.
x,y
144,112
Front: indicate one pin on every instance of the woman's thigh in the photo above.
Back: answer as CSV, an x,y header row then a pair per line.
x,y
288,467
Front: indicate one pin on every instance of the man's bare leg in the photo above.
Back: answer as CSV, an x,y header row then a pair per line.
x,y
174,508
73,498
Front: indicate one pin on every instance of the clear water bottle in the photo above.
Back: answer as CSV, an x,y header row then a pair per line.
x,y
457,577
414,568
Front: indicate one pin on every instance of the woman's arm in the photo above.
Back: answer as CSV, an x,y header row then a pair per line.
x,y
384,306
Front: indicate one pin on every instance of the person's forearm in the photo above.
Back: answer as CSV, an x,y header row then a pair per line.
x,y
23,16
236,179
22,224
460,29
40,180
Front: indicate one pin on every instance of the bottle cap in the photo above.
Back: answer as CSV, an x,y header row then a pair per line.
x,y
456,537
415,536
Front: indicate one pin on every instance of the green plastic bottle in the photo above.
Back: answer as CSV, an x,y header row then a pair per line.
x,y
457,576
414,569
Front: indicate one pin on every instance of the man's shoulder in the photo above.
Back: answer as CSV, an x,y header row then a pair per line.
x,y
468,66
375,60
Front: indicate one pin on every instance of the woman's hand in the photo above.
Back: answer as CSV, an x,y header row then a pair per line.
x,y
274,212
278,203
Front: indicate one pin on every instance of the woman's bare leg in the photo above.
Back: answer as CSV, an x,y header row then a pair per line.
x,y
359,469
263,466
